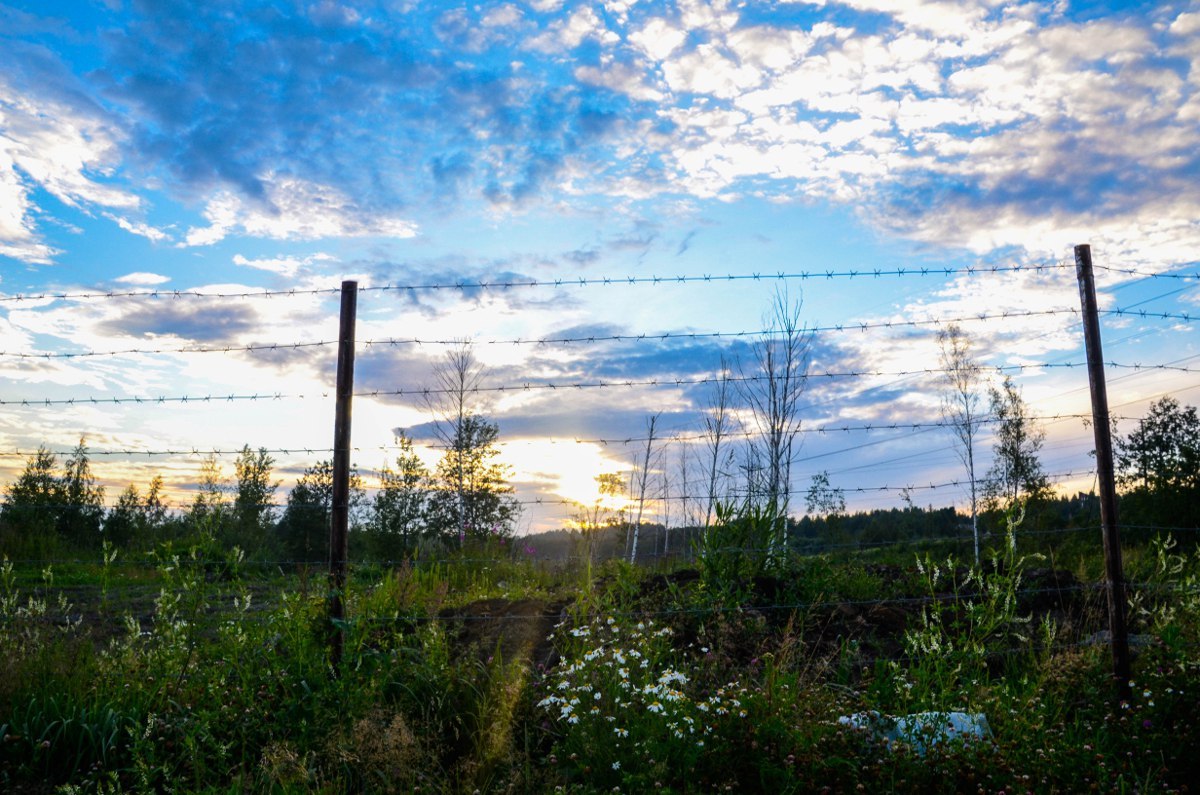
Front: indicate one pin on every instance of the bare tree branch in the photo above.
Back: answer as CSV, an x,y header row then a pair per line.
x,y
961,407
642,478
781,357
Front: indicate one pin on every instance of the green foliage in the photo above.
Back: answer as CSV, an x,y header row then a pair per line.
x,y
57,737
303,530
825,501
1016,474
28,518
138,522
1158,463
123,523
627,714
82,510
1169,595
43,509
969,614
879,527
400,506
822,499
222,682
252,517
737,545
210,497
472,498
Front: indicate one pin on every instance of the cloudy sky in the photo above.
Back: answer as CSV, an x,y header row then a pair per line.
x,y
181,181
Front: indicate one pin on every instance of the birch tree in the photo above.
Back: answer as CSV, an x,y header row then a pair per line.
x,y
253,514
1016,473
471,498
961,407
401,504
474,499
210,496
606,512
719,424
82,511
771,386
641,480
29,514
664,491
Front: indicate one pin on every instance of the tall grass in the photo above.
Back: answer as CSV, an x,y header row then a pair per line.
x,y
729,677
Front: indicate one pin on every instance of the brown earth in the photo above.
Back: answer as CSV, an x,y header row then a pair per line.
x,y
518,630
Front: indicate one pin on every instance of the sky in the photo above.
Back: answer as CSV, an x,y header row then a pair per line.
x,y
182,181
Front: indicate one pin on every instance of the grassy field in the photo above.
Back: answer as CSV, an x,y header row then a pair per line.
x,y
195,671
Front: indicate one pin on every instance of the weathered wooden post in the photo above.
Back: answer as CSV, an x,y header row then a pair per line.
x,y
340,509
1104,472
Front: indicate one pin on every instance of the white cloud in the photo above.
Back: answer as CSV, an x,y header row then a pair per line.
x,y
935,16
770,49
139,228
294,210
284,266
1186,23
329,12
565,35
1148,237
60,149
658,39
708,70
13,338
1011,112
18,236
709,15
142,278
504,16
627,79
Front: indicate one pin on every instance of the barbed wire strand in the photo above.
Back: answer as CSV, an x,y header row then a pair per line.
x,y
32,569
552,386
642,337
566,282
184,504
1144,274
822,430
450,614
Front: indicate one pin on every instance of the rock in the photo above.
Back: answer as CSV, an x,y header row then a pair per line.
x,y
921,730
1104,638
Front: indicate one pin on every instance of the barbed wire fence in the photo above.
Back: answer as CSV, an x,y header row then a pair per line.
x,y
464,286
815,375
893,430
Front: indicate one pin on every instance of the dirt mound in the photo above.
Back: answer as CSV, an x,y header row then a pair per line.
x,y
520,629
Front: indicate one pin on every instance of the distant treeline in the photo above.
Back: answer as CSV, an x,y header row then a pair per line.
x,y
833,533
52,510
55,509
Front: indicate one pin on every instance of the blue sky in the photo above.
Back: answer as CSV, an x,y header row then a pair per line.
x,y
233,148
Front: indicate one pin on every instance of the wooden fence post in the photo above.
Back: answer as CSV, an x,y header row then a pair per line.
x,y
1104,473
340,509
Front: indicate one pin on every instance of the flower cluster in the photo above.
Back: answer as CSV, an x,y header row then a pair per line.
x,y
622,705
